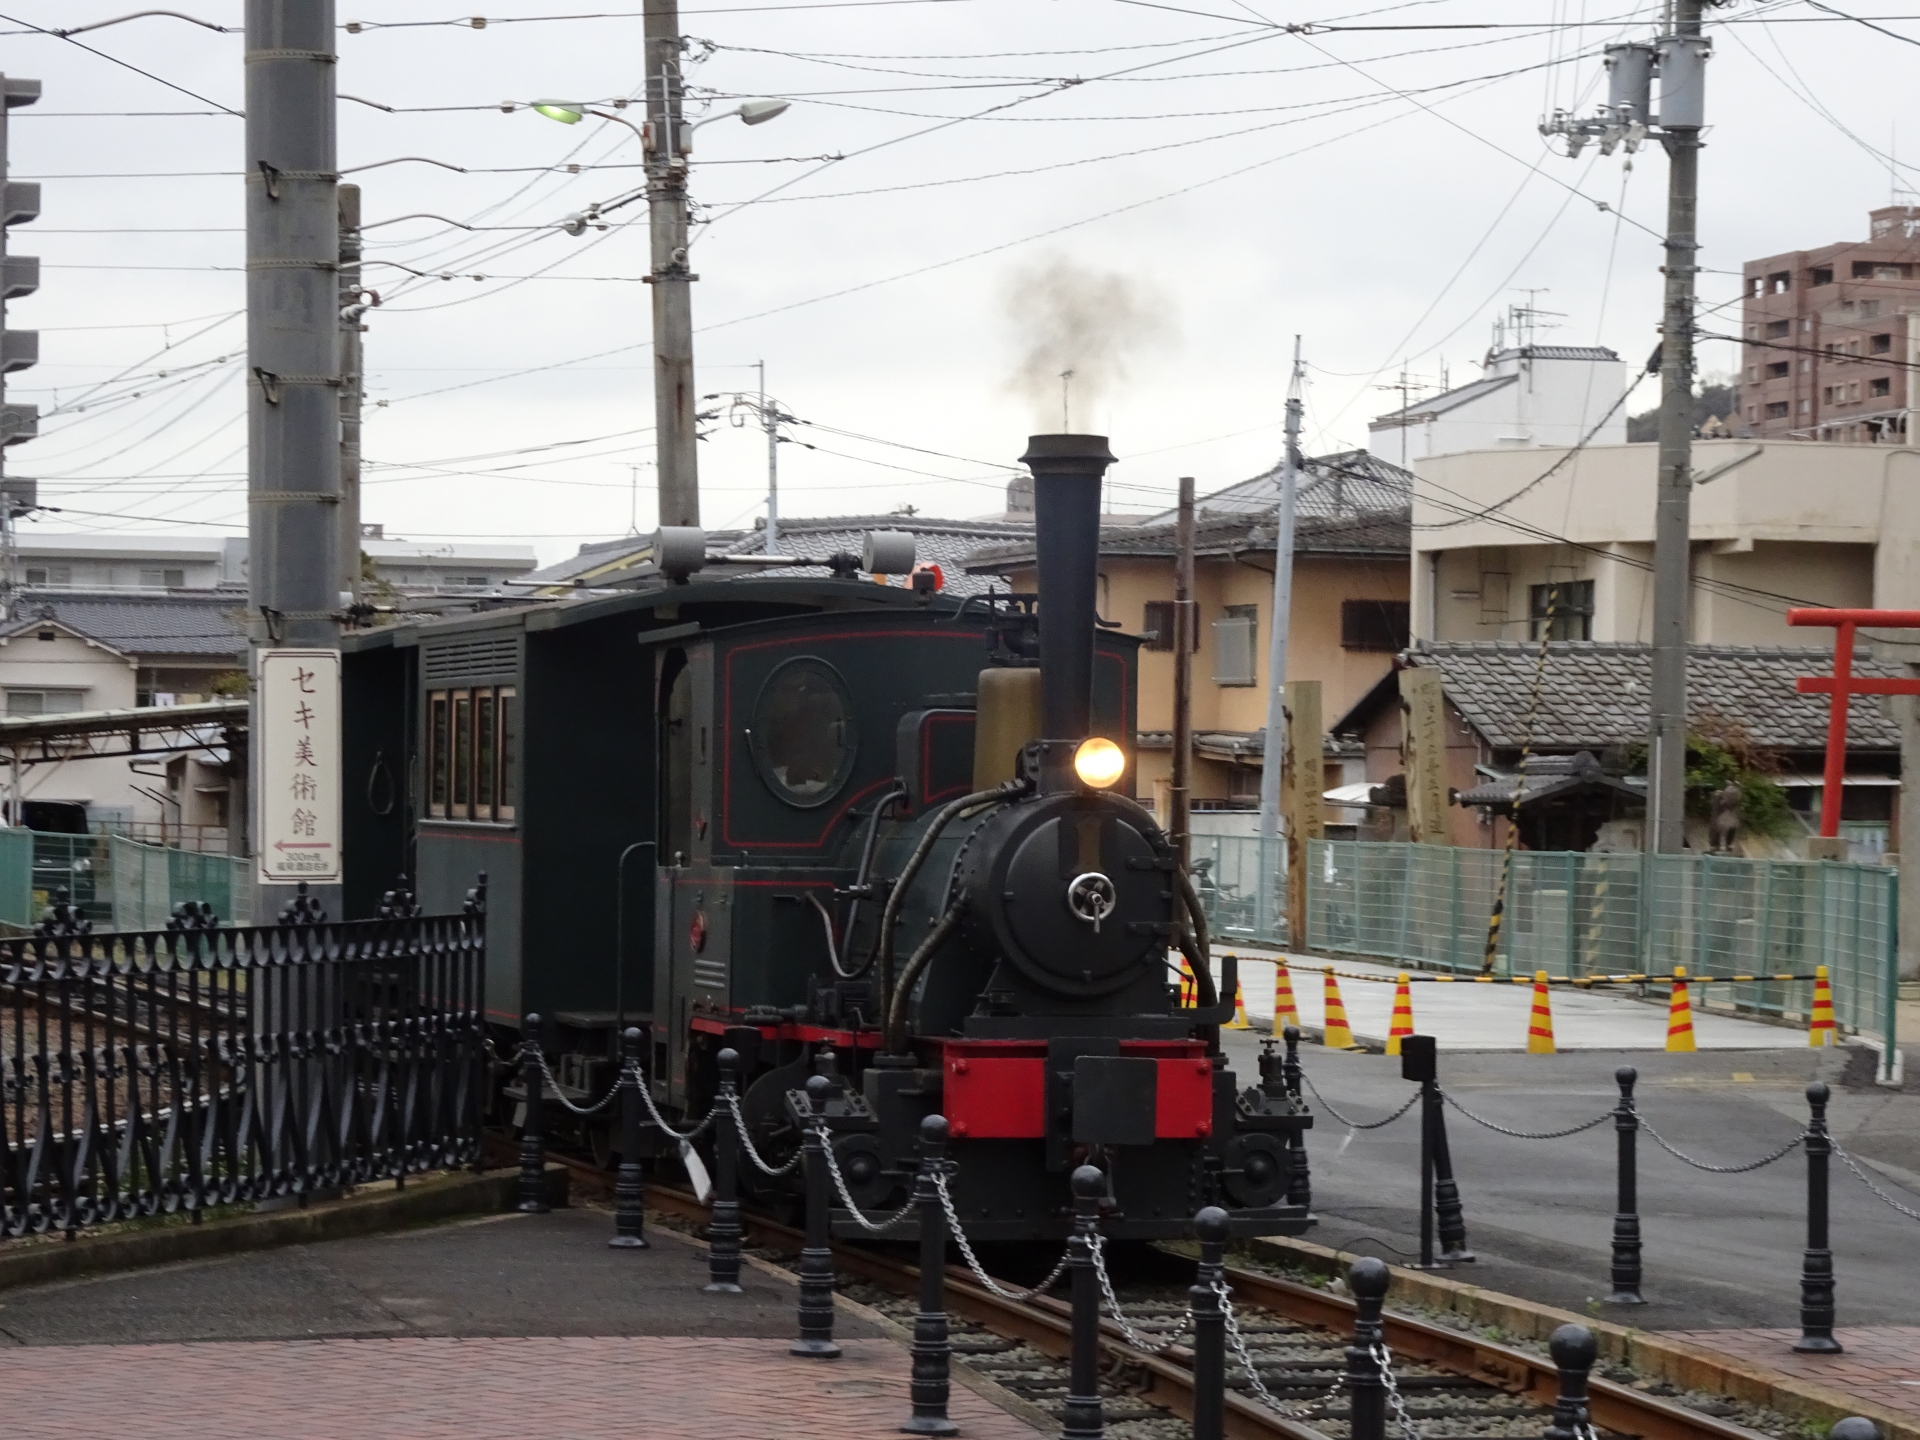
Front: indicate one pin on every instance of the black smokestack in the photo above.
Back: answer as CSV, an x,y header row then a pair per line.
x,y
1067,470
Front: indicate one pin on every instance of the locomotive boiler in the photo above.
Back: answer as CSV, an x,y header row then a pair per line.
x,y
876,833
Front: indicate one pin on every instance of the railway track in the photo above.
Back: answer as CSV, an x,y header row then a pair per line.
x,y
1456,1386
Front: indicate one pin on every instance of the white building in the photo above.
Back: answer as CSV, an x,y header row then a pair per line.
x,y
1531,396
103,562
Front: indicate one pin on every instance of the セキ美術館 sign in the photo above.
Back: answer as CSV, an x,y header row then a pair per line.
x,y
298,766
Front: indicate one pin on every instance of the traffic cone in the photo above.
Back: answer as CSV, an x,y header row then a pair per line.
x,y
1402,1024
1680,1014
1822,1032
1540,1022
1285,1012
1335,1034
1188,990
1239,1021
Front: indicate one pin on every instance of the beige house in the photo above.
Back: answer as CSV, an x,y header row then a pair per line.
x,y
1349,612
1502,536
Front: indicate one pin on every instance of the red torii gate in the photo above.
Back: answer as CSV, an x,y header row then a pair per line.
x,y
1844,684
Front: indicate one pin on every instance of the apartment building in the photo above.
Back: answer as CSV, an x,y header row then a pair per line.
x,y
1527,396
1831,337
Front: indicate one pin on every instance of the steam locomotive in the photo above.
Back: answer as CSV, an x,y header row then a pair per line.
x,y
873,832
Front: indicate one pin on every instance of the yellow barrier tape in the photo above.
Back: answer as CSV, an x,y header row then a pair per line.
x,y
1585,981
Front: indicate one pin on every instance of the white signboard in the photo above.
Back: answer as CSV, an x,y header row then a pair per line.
x,y
298,769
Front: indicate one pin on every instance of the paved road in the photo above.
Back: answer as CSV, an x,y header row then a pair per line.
x,y
1720,1250
501,1276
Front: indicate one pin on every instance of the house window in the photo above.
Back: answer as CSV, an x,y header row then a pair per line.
x,y
1777,410
1233,642
45,702
1243,785
49,575
1823,275
470,736
163,579
1561,611
1778,328
1853,390
1383,625
1778,282
1826,394
1158,627
1778,368
1883,386
1881,344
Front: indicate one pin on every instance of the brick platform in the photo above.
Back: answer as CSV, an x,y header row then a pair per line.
x,y
413,1388
1881,1364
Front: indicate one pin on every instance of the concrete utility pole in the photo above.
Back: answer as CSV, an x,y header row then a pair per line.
x,y
293,331
1186,624
352,389
771,420
1273,756
673,396
1682,60
19,349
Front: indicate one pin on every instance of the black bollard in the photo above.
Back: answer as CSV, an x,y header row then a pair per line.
x,y
1626,1214
1419,1063
1446,1194
1366,1389
630,1189
931,1348
1816,1270
724,1231
1211,1228
1574,1350
533,1134
1299,1175
1083,1418
816,1259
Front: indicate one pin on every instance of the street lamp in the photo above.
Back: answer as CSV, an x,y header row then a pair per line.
x,y
666,141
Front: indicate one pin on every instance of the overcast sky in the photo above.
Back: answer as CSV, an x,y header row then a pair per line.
x,y
1215,184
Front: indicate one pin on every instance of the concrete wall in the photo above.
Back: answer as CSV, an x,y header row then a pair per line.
x,y
1822,524
1552,402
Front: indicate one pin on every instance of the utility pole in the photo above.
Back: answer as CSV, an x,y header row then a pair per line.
x,y
666,159
293,352
353,389
771,421
19,349
1681,58
1186,623
1273,755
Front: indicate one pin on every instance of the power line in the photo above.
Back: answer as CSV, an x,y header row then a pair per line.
x,y
28,28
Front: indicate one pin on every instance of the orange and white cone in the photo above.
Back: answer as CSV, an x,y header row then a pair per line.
x,y
1822,1032
1402,1024
1285,1012
1239,1021
1680,1014
1189,992
1335,1032
1540,1022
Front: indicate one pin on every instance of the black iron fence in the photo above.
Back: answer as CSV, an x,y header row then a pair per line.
x,y
168,1071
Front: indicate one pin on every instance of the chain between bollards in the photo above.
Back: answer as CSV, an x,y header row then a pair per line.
x,y
932,1348
1366,1387
816,1258
1816,1269
1083,1416
724,1230
1211,1228
630,1188
1626,1212
533,1133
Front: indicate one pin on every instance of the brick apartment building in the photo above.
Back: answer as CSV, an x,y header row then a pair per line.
x,y
1833,337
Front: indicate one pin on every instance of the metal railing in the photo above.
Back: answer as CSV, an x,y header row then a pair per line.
x,y
1242,890
1582,913
156,1071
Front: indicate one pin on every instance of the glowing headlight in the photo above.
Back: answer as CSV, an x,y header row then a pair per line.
x,y
1099,762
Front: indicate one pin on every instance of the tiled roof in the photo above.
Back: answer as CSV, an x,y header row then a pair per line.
x,y
1448,400
946,543
1346,504
1593,695
209,624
